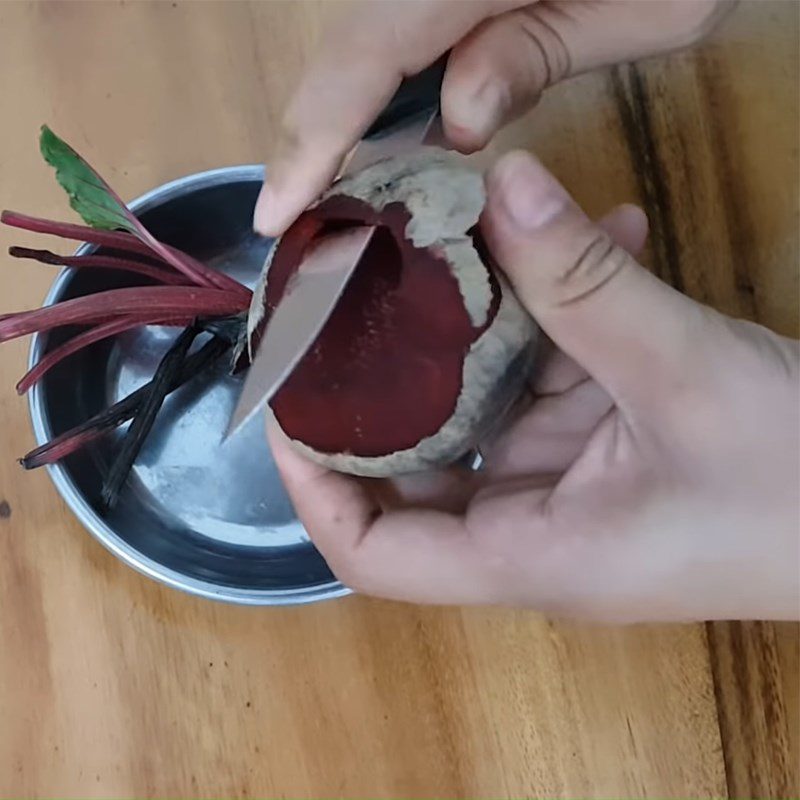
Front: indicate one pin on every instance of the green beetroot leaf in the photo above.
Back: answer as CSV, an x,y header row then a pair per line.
x,y
89,194
100,207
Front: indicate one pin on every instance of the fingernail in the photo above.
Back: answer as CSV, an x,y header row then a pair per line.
x,y
530,196
262,209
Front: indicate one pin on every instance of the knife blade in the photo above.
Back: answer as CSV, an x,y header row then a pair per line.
x,y
410,119
299,317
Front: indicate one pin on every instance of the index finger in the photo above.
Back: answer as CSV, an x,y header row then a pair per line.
x,y
359,66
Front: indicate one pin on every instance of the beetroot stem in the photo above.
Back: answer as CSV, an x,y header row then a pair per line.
x,y
117,240
165,375
195,270
100,262
84,339
106,421
176,301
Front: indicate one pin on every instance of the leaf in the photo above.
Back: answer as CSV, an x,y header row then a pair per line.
x,y
89,194
101,207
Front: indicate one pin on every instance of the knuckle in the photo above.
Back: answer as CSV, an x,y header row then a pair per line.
x,y
550,55
590,270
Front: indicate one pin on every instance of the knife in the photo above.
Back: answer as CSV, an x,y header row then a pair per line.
x,y
410,119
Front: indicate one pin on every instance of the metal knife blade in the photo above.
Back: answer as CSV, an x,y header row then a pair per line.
x,y
320,281
410,120
424,128
299,317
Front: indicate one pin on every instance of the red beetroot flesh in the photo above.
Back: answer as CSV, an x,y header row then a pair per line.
x,y
386,371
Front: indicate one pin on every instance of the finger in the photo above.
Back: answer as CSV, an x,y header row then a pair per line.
x,y
417,554
627,226
558,374
494,74
568,405
629,330
499,70
444,490
337,511
354,74
552,434
601,34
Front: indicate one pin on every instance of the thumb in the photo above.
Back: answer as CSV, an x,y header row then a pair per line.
x,y
625,327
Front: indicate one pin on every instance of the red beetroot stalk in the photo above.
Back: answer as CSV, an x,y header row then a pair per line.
x,y
100,206
106,421
195,270
63,446
91,336
189,301
100,262
116,240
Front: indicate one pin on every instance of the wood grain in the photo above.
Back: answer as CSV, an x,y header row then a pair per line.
x,y
111,685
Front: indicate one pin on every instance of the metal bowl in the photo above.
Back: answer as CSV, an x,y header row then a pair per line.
x,y
210,520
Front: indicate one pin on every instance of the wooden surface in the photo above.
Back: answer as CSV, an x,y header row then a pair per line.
x,y
111,686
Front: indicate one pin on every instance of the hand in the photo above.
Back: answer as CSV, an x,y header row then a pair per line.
x,y
504,54
655,477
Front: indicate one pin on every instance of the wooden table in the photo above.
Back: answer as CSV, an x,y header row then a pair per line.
x,y
112,686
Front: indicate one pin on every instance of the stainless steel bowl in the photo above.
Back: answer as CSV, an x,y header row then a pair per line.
x,y
208,519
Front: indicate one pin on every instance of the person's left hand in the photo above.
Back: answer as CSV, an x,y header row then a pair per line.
x,y
663,487
551,425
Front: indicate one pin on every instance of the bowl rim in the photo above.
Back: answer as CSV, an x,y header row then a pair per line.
x,y
70,493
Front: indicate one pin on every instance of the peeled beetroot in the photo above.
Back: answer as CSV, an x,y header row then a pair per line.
x,y
427,347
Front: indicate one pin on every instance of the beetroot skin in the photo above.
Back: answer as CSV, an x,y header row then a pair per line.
x,y
428,346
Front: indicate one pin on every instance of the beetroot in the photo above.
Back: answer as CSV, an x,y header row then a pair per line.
x,y
428,345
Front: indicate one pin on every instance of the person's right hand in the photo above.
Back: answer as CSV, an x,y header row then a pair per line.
x,y
504,54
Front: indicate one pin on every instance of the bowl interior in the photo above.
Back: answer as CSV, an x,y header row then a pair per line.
x,y
204,516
